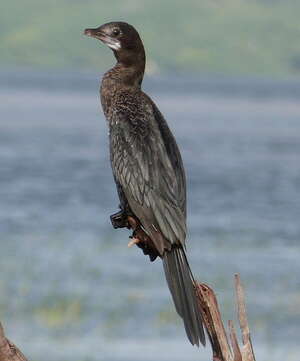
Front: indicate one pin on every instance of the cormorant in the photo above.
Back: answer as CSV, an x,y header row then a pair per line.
x,y
147,169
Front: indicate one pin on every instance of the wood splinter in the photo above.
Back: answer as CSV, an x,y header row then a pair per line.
x,y
221,348
8,351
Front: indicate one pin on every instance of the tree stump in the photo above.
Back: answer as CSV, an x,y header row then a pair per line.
x,y
8,351
222,349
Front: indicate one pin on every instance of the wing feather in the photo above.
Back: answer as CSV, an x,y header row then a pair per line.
x,y
147,164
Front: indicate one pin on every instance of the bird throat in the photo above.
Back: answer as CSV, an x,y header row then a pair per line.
x,y
130,67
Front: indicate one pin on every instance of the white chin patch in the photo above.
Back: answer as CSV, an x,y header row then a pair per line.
x,y
115,46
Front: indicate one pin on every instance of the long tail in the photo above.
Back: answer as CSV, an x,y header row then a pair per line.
x,y
181,284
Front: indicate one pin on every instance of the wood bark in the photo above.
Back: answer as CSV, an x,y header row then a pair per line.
x,y
225,348
8,351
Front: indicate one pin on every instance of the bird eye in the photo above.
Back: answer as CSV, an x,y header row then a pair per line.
x,y
116,31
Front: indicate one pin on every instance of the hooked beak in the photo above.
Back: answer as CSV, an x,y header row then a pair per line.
x,y
92,32
106,39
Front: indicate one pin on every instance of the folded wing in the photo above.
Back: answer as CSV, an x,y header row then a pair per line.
x,y
147,164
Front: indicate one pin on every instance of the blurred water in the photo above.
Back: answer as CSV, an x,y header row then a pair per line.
x,y
70,289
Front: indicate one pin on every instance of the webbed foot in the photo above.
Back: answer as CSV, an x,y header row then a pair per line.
x,y
119,220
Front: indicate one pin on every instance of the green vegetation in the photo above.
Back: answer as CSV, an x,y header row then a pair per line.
x,y
224,36
61,313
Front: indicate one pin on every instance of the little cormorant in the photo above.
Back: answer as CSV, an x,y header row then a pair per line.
x,y
147,169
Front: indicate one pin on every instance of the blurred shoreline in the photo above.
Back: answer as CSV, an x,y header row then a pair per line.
x,y
173,83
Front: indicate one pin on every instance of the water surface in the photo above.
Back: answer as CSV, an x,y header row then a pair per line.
x,y
70,289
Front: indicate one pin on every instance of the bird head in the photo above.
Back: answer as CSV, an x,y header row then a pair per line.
x,y
127,46
119,36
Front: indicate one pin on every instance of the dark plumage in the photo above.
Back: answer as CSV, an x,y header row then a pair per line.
x,y
147,168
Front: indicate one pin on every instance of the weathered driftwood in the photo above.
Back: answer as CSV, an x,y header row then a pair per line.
x,y
222,351
8,351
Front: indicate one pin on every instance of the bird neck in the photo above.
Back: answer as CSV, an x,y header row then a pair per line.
x,y
130,67
126,75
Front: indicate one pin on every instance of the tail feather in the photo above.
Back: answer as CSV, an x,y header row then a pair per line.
x,y
182,287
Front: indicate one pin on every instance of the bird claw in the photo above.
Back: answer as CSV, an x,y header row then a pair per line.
x,y
133,242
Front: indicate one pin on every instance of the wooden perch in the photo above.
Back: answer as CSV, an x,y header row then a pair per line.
x,y
8,351
222,351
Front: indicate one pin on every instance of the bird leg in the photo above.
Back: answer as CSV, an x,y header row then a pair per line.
x,y
141,239
133,224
